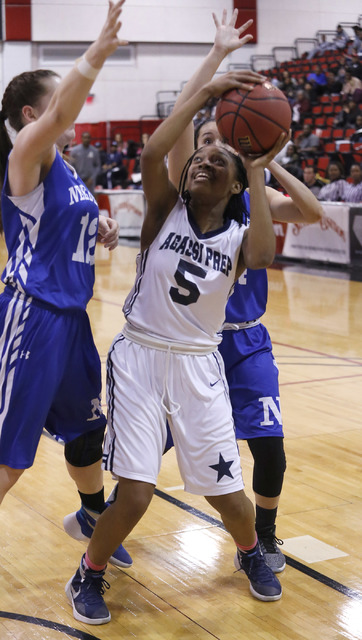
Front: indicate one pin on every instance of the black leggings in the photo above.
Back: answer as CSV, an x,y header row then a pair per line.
x,y
86,449
269,465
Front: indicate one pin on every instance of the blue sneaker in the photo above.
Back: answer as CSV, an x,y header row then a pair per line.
x,y
85,592
264,585
80,525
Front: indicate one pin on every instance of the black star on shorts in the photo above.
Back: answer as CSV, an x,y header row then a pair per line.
x,y
222,468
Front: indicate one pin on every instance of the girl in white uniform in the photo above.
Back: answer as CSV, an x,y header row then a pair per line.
x,y
246,348
165,364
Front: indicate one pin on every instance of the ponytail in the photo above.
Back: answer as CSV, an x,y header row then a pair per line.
x,y
5,148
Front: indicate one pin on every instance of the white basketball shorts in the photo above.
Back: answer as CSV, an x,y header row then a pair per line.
x,y
147,386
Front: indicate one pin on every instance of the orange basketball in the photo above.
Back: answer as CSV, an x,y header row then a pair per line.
x,y
252,121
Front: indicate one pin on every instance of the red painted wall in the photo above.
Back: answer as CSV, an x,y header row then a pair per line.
x,y
248,9
130,130
17,19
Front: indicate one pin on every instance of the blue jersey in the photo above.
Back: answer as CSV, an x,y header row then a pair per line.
x,y
251,370
249,298
50,235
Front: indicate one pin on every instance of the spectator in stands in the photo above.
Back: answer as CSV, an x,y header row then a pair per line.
x,y
85,159
356,45
357,135
308,143
341,38
121,144
144,139
322,46
334,85
351,86
347,116
301,108
271,77
132,163
310,91
113,173
353,191
301,80
358,121
311,181
355,66
291,161
102,153
199,118
318,79
287,84
279,158
335,191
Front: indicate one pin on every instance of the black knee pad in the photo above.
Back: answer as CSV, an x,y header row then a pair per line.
x,y
86,449
269,465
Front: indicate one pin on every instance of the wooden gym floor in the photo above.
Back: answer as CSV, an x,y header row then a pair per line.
x,y
182,584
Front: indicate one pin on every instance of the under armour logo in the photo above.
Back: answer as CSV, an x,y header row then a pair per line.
x,y
25,355
96,409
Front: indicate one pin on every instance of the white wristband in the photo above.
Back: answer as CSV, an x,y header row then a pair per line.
x,y
86,69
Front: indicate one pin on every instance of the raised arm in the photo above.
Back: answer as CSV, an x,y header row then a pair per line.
x,y
227,39
301,206
34,149
160,192
258,246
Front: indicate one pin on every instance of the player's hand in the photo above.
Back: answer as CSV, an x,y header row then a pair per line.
x,y
107,41
252,162
227,37
244,80
108,232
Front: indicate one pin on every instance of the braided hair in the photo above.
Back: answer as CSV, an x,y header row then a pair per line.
x,y
235,209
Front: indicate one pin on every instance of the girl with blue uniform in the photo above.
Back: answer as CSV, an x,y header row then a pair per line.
x,y
50,375
251,370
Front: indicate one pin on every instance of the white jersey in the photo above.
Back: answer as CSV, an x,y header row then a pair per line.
x,y
184,280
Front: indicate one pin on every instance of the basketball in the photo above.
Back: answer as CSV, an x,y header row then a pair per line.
x,y
252,121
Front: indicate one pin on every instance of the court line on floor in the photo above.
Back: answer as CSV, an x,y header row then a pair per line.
x,y
83,635
54,626
318,353
313,380
312,573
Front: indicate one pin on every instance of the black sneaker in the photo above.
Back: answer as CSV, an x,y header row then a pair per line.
x,y
263,583
270,550
84,591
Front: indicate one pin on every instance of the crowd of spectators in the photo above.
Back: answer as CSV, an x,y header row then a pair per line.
x,y
332,78
115,168
332,75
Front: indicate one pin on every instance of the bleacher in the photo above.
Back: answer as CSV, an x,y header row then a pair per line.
x,y
335,141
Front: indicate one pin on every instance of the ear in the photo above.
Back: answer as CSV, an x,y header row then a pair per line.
x,y
236,187
28,114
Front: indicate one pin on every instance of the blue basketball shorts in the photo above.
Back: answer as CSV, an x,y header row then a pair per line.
x,y
253,379
50,377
